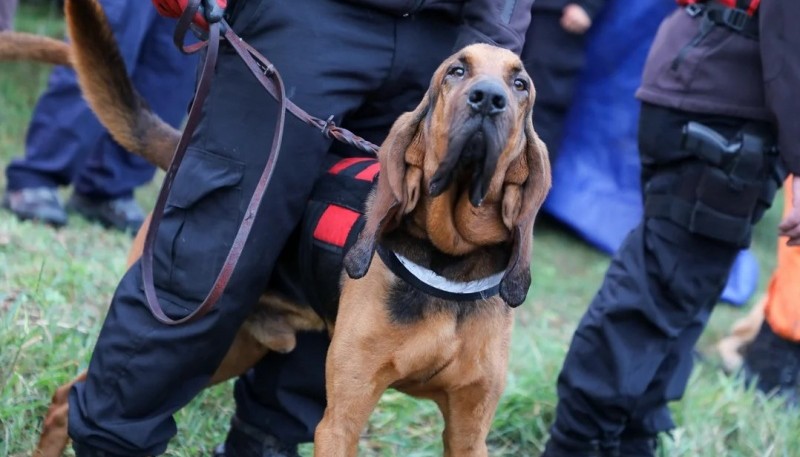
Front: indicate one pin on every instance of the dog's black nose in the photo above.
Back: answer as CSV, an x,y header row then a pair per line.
x,y
487,98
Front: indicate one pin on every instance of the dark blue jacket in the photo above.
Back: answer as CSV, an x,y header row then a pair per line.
x,y
499,22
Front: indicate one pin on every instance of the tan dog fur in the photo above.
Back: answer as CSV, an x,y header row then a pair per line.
x,y
26,46
742,333
458,363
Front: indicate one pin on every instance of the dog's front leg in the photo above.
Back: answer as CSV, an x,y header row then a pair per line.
x,y
357,368
473,384
354,387
349,407
54,438
468,412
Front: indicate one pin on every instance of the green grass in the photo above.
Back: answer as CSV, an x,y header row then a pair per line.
x,y
55,287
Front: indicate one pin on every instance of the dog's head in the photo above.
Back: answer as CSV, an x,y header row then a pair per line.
x,y
471,136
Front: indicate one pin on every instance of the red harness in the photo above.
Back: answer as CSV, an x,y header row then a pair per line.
x,y
337,222
750,6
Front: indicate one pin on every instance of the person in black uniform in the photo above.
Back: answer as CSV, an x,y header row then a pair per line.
x,y
718,127
554,55
363,61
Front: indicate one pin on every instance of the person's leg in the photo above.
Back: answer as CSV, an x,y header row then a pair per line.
x,y
284,396
651,414
632,351
8,9
165,79
63,130
643,319
141,372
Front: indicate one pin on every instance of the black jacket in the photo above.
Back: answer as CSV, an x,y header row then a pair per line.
x,y
499,22
729,74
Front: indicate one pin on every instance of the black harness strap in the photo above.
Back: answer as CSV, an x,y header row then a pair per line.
x,y
715,14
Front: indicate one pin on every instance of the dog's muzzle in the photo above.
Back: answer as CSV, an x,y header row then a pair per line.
x,y
475,144
487,98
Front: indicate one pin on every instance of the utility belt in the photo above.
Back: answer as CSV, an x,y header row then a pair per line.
x,y
715,14
727,190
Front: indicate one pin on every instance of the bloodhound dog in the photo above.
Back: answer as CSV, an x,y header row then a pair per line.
x,y
425,305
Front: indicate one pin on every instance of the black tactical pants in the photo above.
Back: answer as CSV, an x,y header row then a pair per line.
x,y
362,66
632,351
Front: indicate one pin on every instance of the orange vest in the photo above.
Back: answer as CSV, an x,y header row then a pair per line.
x,y
747,5
782,309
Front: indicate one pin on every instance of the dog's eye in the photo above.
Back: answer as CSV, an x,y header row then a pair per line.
x,y
456,71
520,84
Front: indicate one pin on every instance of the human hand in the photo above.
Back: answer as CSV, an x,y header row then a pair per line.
x,y
575,19
790,225
210,10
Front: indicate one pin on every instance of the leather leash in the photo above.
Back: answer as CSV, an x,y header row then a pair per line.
x,y
266,74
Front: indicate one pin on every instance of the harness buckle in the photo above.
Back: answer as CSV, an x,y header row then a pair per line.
x,y
735,18
695,9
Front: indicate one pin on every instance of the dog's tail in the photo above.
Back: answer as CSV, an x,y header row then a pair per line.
x,y
108,89
27,46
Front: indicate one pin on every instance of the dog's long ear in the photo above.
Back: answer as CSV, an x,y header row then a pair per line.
x,y
399,184
404,149
517,280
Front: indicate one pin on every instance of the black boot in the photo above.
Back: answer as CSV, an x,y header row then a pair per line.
x,y
773,363
591,449
638,447
244,440
82,450
122,213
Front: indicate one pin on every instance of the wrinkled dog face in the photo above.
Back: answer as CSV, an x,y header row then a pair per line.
x,y
469,141
485,98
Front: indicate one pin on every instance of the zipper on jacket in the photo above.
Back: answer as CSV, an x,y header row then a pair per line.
x,y
706,25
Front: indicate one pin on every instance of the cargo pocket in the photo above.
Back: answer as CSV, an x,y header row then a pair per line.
x,y
201,219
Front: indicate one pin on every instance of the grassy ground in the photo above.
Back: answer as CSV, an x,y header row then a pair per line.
x,y
55,286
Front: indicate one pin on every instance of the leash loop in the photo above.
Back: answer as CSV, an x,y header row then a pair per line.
x,y
183,27
326,128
